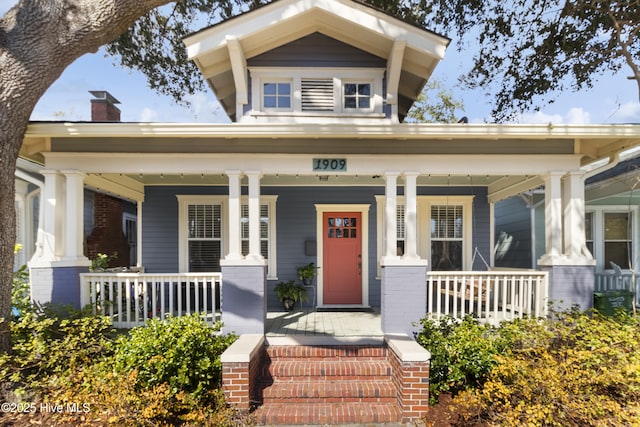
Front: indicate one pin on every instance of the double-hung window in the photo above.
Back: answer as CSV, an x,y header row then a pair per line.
x,y
446,237
204,236
444,230
203,233
609,235
264,230
617,239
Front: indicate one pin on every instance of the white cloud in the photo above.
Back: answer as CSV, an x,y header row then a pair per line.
x,y
629,112
575,115
148,115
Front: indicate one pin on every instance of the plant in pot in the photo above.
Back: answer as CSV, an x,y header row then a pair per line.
x,y
289,293
306,273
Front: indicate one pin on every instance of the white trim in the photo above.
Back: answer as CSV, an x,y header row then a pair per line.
x,y
261,75
283,164
364,211
603,135
183,204
598,232
222,200
424,204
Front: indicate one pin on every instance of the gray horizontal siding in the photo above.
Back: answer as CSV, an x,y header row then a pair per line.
x,y
316,50
296,224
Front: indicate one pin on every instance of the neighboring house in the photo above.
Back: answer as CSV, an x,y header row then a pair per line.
x,y
27,203
317,166
109,223
612,236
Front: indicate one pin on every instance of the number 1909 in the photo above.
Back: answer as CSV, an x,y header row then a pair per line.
x,y
330,165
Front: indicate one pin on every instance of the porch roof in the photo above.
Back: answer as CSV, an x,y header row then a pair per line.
x,y
510,158
591,142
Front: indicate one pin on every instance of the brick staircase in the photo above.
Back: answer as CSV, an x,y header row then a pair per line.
x,y
326,385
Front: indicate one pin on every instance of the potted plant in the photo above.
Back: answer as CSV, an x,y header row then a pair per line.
x,y
289,293
306,273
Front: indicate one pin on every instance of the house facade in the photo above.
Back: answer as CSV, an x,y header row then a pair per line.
x,y
316,166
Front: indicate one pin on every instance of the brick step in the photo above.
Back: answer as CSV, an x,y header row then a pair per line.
x,y
334,369
381,391
329,413
322,352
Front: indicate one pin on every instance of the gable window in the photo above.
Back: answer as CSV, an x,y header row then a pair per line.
x,y
277,95
316,92
357,96
203,232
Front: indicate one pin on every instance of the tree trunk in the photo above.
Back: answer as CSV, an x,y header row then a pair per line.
x,y
39,39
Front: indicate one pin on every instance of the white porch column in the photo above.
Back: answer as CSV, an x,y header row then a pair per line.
x,y
254,215
553,216
74,216
574,233
46,247
235,247
410,216
390,215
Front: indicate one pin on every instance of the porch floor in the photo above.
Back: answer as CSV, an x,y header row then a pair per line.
x,y
317,327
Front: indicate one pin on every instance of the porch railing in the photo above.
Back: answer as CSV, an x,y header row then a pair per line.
x,y
132,298
491,296
611,281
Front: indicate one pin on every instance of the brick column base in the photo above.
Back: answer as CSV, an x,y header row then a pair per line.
x,y
241,364
410,365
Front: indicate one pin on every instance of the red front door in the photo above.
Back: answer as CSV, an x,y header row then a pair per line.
x,y
342,258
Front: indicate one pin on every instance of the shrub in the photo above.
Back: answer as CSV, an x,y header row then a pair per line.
x,y
462,353
182,352
575,369
45,346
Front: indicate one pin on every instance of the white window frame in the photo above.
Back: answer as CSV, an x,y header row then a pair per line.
x,y
597,223
133,252
424,204
276,81
343,96
372,76
183,248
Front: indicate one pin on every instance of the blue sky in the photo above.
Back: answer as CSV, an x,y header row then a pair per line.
x,y
614,99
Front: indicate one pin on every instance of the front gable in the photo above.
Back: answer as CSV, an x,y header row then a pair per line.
x,y
407,54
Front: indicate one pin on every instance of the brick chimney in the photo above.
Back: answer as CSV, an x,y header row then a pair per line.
x,y
103,107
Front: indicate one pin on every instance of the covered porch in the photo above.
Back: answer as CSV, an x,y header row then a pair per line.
x,y
254,210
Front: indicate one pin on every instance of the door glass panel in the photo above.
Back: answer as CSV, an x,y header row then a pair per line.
x,y
338,233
